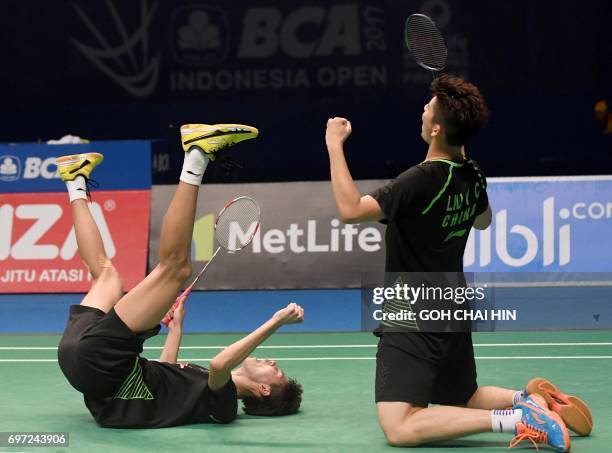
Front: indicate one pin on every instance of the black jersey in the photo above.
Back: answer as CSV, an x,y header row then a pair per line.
x,y
99,355
429,210
158,394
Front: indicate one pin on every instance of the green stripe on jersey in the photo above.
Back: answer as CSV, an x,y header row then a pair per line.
x,y
437,197
134,386
450,175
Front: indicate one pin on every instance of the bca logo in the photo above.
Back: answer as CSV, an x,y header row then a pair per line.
x,y
10,168
199,35
35,167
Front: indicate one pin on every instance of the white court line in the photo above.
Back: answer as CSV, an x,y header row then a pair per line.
x,y
317,346
295,359
280,359
541,344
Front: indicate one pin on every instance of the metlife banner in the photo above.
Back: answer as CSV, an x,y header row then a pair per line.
x,y
300,243
38,249
540,225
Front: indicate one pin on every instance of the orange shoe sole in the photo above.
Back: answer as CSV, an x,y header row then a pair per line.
x,y
573,411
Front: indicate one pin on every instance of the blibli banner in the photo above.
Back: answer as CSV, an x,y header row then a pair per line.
x,y
540,224
38,249
545,225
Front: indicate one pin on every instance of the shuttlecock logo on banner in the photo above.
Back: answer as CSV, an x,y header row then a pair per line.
x,y
127,63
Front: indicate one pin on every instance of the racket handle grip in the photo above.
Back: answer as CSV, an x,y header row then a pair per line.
x,y
176,303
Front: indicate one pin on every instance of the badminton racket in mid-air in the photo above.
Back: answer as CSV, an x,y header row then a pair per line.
x,y
426,43
235,227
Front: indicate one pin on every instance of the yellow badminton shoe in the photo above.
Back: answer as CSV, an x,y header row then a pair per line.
x,y
77,165
212,138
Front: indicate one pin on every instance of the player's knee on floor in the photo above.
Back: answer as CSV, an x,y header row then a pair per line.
x,y
401,432
404,436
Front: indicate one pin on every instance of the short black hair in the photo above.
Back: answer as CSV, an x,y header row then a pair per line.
x,y
461,108
284,399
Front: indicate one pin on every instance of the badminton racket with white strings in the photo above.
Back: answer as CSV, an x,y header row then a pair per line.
x,y
426,43
235,227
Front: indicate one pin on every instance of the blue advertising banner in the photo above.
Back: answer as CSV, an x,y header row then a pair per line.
x,y
545,224
28,168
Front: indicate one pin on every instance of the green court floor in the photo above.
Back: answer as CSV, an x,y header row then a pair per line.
x,y
337,372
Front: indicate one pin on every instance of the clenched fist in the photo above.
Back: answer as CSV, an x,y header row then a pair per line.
x,y
338,130
291,314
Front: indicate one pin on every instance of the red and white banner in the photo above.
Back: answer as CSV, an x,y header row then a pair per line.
x,y
38,249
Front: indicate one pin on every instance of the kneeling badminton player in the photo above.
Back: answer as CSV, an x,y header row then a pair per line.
x,y
420,367
100,351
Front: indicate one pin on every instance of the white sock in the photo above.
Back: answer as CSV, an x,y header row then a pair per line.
x,y
77,189
504,421
193,167
518,396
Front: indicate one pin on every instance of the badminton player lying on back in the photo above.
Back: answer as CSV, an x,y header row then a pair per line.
x,y
100,351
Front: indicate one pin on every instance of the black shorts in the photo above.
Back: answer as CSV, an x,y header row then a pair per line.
x,y
98,351
423,368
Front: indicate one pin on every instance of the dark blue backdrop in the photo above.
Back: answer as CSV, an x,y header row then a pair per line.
x,y
138,69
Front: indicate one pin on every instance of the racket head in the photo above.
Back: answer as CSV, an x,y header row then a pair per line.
x,y
425,42
237,223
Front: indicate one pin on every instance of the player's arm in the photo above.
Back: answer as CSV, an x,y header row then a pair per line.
x,y
482,221
221,365
175,332
352,207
